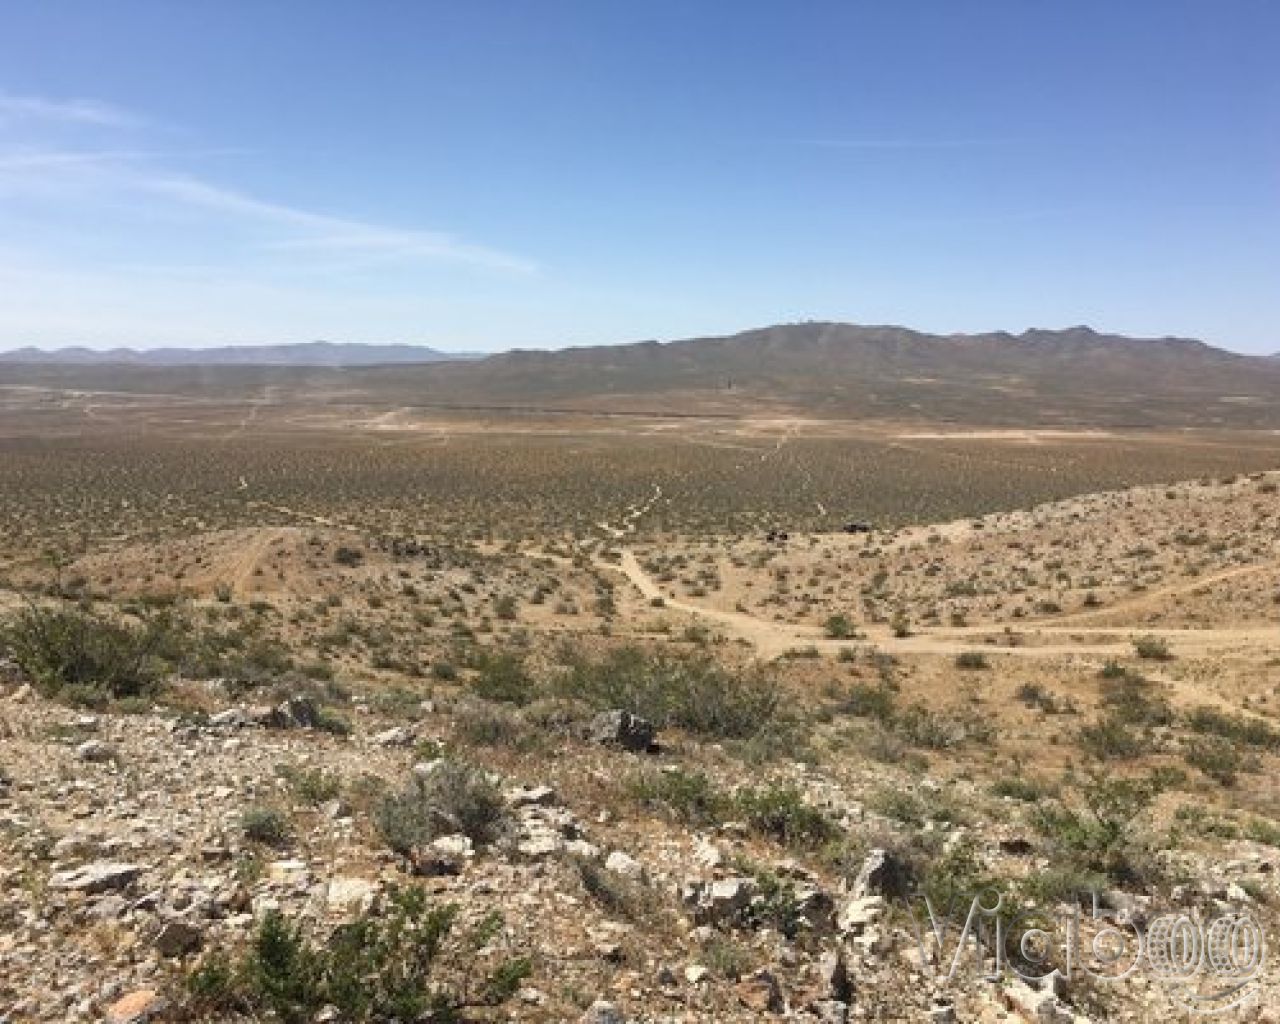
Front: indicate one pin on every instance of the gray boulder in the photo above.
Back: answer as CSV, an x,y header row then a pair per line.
x,y
622,729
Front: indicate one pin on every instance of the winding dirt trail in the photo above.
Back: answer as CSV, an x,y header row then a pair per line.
x,y
1034,640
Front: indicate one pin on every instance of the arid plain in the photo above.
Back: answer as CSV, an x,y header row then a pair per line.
x,y
695,691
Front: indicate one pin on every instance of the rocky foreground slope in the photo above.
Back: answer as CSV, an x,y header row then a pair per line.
x,y
137,849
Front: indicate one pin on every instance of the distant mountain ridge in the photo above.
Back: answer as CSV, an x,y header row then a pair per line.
x,y
311,353
1072,378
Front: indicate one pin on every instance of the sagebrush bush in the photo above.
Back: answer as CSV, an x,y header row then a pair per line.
x,y
630,898
691,692
783,814
1253,732
69,651
408,961
503,677
267,825
1152,648
690,798
839,627
1095,834
454,797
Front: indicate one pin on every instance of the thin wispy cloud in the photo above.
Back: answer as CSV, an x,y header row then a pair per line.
x,y
324,232
902,144
20,160
73,111
82,175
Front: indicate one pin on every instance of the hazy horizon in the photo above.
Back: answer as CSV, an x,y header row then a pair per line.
x,y
445,348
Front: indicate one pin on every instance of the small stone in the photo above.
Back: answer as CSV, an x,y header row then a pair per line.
x,y
294,713
292,872
177,938
602,1012
582,848
761,993
881,874
725,899
350,896
538,847
622,729
531,796
858,914
397,736
136,1007
624,864
95,752
102,876
232,718
831,1011
706,854
447,855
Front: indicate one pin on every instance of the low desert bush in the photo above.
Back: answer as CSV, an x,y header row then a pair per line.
x,y
691,692
74,653
409,961
453,797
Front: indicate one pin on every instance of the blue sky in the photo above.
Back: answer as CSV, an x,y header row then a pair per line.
x,y
487,175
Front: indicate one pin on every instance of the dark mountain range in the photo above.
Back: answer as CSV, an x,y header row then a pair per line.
x,y
1073,376
1076,377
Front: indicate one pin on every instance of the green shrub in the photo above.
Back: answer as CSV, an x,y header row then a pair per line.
x,y
972,660
503,678
1019,787
1133,700
1219,758
956,877
783,814
406,962
925,728
867,701
1152,648
691,692
838,627
479,724
454,797
348,557
1252,732
68,650
266,825
312,785
1112,737
687,797
1096,833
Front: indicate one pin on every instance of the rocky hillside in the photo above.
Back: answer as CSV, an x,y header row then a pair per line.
x,y
196,864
